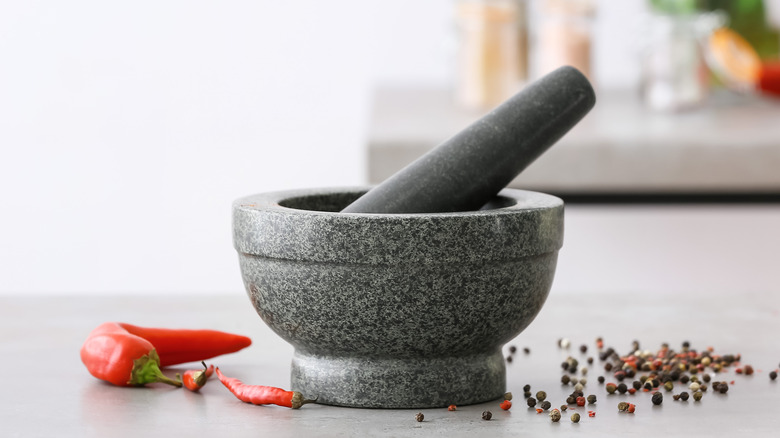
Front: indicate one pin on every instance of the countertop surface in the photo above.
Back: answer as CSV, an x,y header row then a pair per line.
x,y
728,145
46,391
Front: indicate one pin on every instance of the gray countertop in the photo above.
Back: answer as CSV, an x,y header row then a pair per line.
x,y
46,391
730,145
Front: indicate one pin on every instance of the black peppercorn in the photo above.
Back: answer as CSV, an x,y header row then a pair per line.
x,y
591,399
601,379
773,375
419,417
622,388
487,415
571,399
706,377
590,360
541,395
531,402
658,398
676,397
509,359
526,388
637,384
565,379
527,394
630,372
684,379
526,350
648,384
684,396
686,345
724,387
583,348
620,375
608,367
512,349
564,408
546,405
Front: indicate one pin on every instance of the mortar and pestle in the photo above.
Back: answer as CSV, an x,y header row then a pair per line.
x,y
402,295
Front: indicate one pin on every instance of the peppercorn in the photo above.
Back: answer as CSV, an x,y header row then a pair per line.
x,y
584,371
748,370
509,359
583,348
697,396
695,379
564,408
631,408
620,375
703,388
656,383
571,400
487,415
601,379
583,381
419,417
611,388
686,345
527,394
716,386
565,379
564,343
684,396
590,360
508,396
527,387
578,387
512,349
575,418
622,406
580,401
694,386
706,377
607,367
684,379
630,372
658,398
648,384
546,405
676,397
773,375
555,415
634,346
506,405
531,402
541,395
632,391
622,388
724,387
636,384
526,350
591,399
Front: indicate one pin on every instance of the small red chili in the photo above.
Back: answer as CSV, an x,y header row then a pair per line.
x,y
262,395
631,408
580,401
452,408
539,411
195,379
591,413
506,405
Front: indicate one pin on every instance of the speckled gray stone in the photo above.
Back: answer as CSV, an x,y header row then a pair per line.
x,y
470,168
397,310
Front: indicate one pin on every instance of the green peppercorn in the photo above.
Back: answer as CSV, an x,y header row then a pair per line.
x,y
697,396
684,396
591,399
658,398
622,406
419,417
508,396
575,418
669,386
541,395
611,388
487,415
531,402
695,379
555,415
642,379
546,405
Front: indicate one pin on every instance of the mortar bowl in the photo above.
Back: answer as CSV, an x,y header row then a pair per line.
x,y
397,310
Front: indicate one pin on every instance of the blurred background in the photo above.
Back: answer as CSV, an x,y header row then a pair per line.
x,y
128,128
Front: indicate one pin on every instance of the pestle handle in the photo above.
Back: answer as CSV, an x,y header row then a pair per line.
x,y
469,169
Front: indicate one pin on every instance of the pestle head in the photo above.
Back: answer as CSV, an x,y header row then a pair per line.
x,y
469,169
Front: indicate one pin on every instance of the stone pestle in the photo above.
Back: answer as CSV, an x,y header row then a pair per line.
x,y
468,170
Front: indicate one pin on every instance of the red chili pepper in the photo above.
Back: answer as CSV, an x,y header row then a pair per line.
x,y
506,405
116,356
177,346
262,395
195,379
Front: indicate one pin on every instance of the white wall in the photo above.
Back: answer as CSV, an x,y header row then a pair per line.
x,y
127,128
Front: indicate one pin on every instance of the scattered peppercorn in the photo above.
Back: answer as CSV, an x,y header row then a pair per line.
x,y
684,379
658,398
622,388
508,396
703,388
694,386
531,402
419,417
583,381
773,375
676,397
565,379
526,350
527,394
601,379
578,387
648,384
684,396
583,348
571,400
748,370
487,415
580,401
506,405
590,360
669,386
564,408
724,387
541,395
546,405
706,377
512,349
636,384
509,359
555,415
632,391
697,396
591,413
611,388
622,406
591,399
575,418
452,408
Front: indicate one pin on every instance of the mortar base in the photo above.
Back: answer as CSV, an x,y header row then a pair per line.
x,y
399,383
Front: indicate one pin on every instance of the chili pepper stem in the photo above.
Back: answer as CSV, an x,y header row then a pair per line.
x,y
298,400
146,369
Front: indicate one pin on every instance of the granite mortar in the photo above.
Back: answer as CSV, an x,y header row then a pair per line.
x,y
397,310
